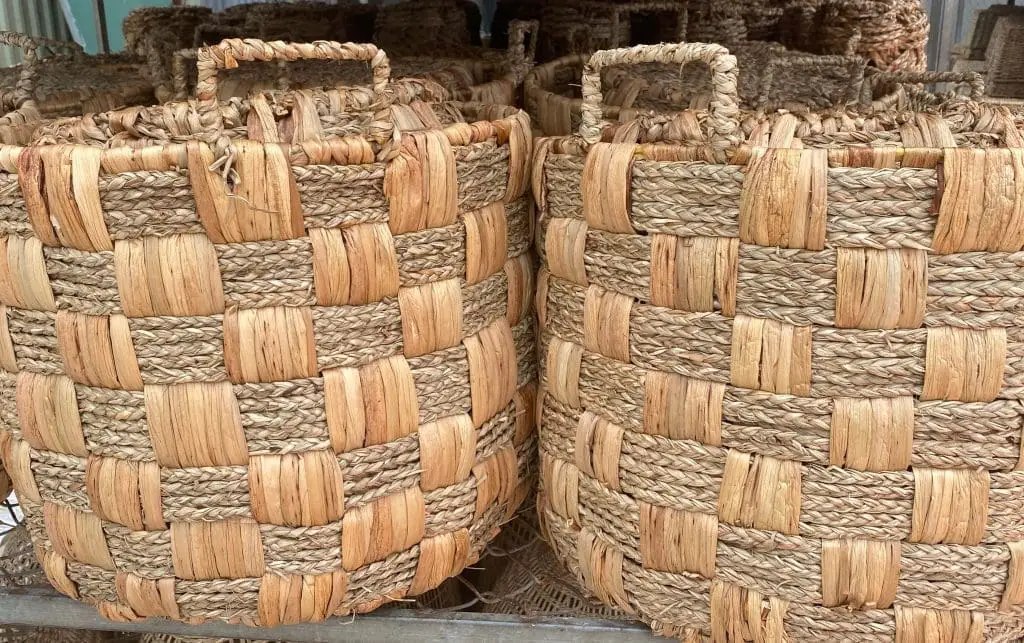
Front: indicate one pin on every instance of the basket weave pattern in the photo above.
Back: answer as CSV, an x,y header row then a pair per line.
x,y
305,398
781,386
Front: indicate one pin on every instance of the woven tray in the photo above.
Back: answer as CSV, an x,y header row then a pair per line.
x,y
782,365
288,362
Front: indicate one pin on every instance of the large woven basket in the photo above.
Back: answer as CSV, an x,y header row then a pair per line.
x,y
782,367
301,390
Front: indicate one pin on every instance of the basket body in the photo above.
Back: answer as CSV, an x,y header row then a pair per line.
x,y
305,398
780,387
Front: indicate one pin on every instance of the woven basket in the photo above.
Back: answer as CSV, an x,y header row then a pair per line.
x,y
718,21
782,364
1004,58
771,78
67,83
579,26
891,34
301,392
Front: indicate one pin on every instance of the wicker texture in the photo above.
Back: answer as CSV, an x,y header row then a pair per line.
x,y
782,369
66,83
771,78
578,26
891,34
305,396
1004,58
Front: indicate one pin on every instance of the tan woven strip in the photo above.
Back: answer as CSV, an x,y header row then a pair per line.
x,y
55,567
440,557
606,186
30,180
964,365
872,434
598,447
432,316
294,598
881,288
486,242
761,492
678,541
859,574
98,350
48,413
739,614
564,244
147,597
492,370
495,479
784,199
683,408
388,525
447,451
296,489
420,183
563,371
17,458
950,506
982,204
606,323
8,361
372,404
522,282
771,356
689,273
148,287
601,570
218,549
195,425
71,183
113,488
1014,592
269,344
561,486
520,154
354,265
917,625
23,279
77,535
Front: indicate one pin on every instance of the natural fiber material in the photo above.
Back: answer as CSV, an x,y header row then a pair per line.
x,y
535,584
782,366
268,365
771,78
891,34
66,83
1005,58
580,26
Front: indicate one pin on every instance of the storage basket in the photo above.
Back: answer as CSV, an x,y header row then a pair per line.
x,y
782,364
891,34
1004,58
580,26
771,78
267,364
66,83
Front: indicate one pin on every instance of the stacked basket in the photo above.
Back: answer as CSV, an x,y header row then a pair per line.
x,y
782,367
267,365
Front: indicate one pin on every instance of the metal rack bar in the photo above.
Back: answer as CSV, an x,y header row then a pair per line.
x,y
43,607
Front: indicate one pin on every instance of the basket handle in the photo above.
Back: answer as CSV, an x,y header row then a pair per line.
x,y
24,89
855,67
230,52
971,78
723,116
518,53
